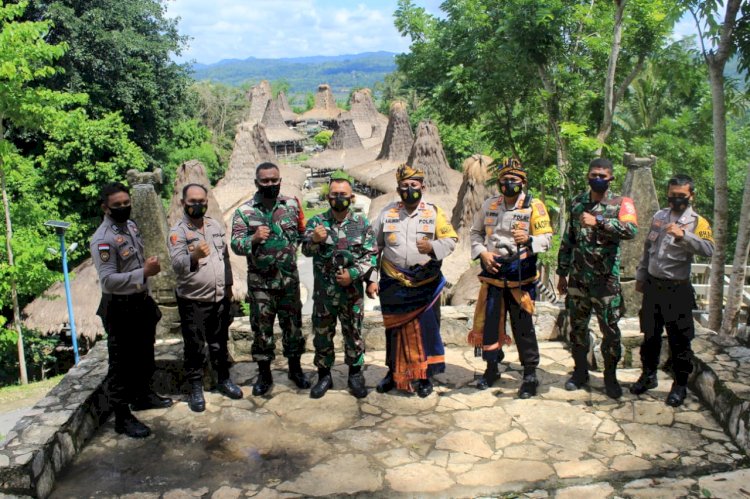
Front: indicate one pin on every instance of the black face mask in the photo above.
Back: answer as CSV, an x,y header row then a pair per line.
x,y
599,185
196,210
339,203
510,188
269,191
120,215
410,195
678,204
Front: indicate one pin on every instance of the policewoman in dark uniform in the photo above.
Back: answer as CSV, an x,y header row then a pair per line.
x,y
663,276
127,310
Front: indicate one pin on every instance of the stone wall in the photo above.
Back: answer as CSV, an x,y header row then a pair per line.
x,y
42,443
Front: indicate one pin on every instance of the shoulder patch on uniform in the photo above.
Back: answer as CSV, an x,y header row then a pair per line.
x,y
173,238
703,229
539,207
627,211
103,251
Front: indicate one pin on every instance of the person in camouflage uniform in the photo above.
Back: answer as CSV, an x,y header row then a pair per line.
x,y
267,230
590,254
342,246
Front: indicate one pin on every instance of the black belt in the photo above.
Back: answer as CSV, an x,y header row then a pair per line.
x,y
135,297
668,282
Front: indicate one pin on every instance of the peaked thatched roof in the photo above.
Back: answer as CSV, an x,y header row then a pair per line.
x,y
367,120
250,148
191,172
48,313
276,129
287,114
259,96
325,108
394,150
345,136
398,136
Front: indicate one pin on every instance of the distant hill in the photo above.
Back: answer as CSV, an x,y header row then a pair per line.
x,y
304,74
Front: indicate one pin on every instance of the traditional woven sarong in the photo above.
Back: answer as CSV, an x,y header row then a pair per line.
x,y
488,330
407,299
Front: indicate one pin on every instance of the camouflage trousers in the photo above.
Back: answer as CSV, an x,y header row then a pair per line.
x,y
608,310
349,309
265,306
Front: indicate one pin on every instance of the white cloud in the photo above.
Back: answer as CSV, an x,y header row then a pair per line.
x,y
238,29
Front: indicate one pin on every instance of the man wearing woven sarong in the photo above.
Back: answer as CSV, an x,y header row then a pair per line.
x,y
413,238
507,234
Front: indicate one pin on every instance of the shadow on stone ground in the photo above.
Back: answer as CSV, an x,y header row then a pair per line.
x,y
457,442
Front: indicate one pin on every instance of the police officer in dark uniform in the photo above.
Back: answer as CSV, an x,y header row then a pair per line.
x,y
127,310
663,276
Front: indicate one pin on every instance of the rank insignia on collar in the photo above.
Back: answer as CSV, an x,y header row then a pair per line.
x,y
103,252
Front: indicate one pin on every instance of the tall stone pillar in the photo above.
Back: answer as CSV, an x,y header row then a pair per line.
x,y
148,213
639,186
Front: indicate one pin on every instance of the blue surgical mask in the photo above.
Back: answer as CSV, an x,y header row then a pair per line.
x,y
599,185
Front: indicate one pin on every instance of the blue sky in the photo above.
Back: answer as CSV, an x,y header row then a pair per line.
x,y
227,29
238,29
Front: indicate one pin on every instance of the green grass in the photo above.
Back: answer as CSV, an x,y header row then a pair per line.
x,y
16,393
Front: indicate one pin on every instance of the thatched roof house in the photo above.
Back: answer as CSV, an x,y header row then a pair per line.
x,y
394,150
325,109
368,122
283,139
289,116
344,150
259,95
48,313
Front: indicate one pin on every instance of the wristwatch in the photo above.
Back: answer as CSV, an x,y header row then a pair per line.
x,y
600,221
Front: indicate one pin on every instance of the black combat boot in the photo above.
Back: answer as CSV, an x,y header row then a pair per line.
x,y
325,381
676,395
356,382
296,374
489,376
151,400
611,386
580,376
424,387
529,384
228,388
386,384
646,381
265,380
196,401
126,423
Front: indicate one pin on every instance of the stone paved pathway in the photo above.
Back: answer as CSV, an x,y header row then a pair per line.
x,y
458,442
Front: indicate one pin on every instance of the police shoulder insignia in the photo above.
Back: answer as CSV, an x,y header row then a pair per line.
x,y
173,239
103,252
540,208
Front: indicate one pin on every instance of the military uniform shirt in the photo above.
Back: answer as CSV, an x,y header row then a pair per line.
x,y
207,280
352,239
665,257
271,264
397,232
117,251
493,224
588,253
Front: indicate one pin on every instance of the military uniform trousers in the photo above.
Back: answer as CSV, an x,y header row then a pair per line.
x,y
265,306
608,309
130,323
668,304
346,305
205,330
521,324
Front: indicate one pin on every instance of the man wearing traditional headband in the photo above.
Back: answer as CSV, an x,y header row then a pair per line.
x,y
508,233
413,237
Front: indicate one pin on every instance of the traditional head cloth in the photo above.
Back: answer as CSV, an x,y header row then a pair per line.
x,y
405,172
341,175
513,167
